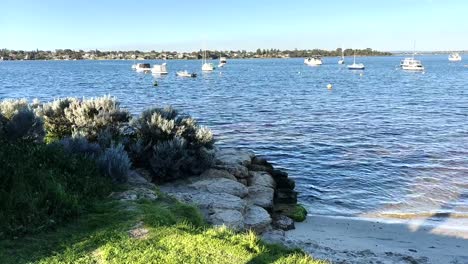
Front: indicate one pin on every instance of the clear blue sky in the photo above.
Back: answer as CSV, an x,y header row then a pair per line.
x,y
242,24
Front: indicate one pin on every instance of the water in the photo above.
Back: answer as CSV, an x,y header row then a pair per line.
x,y
381,143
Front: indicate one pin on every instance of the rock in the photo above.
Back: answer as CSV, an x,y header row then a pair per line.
x,y
261,196
285,196
262,179
279,174
221,185
214,174
296,212
256,167
239,171
244,181
283,222
261,161
138,231
273,236
257,219
230,218
135,194
210,202
285,183
137,178
233,156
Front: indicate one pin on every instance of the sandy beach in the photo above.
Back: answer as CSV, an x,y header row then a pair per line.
x,y
351,240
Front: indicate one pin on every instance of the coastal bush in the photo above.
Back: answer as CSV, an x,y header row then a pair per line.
x,y
171,145
18,121
42,185
115,164
91,117
56,124
80,145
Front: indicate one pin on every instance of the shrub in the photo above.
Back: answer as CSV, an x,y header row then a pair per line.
x,y
115,164
172,146
42,185
56,124
18,121
81,146
91,117
10,107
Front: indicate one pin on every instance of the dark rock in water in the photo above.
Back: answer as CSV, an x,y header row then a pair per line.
x,y
283,222
257,167
285,196
279,174
261,161
285,183
295,211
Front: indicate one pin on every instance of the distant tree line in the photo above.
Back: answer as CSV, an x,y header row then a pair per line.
x,y
68,54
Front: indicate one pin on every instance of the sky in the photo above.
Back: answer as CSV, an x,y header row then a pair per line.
x,y
188,25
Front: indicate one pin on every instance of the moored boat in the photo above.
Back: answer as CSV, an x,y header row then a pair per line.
x,y
313,61
411,64
356,66
186,74
159,69
143,67
454,57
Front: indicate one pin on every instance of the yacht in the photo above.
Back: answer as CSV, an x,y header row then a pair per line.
x,y
159,69
454,57
356,66
206,66
411,64
143,67
186,74
313,61
341,61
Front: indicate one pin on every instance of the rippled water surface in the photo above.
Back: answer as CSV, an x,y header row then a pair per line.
x,y
384,142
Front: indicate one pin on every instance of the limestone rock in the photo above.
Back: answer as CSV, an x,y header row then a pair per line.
x,y
221,185
274,236
214,174
231,218
257,219
239,171
262,179
210,202
135,194
261,196
283,222
233,156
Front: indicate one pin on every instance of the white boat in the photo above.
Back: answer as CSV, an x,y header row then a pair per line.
x,y
159,69
313,61
356,66
206,66
341,61
186,74
411,64
143,67
222,62
454,57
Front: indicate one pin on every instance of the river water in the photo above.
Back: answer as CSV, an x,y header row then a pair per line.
x,y
381,143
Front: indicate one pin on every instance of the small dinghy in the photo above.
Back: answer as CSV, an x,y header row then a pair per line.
x,y
186,74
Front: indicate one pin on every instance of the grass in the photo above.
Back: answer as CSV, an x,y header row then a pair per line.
x,y
176,234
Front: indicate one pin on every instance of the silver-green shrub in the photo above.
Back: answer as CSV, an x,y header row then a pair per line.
x,y
19,122
10,107
90,117
115,164
56,124
81,146
171,145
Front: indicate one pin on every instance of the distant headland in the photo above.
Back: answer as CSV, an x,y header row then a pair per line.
x,y
68,54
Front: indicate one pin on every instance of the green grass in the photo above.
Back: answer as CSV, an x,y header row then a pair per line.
x,y
177,234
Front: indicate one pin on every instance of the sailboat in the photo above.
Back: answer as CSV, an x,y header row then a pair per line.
x,y
356,66
341,61
206,66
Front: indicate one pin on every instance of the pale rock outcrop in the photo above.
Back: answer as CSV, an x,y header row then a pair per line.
x,y
257,218
234,156
230,218
215,174
261,196
221,185
260,178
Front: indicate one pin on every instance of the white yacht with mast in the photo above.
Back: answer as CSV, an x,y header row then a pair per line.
x,y
411,64
356,66
222,62
206,66
159,69
454,57
341,61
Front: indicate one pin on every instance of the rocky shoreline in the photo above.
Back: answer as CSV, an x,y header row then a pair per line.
x,y
241,191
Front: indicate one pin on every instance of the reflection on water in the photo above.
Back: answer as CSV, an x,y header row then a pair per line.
x,y
386,142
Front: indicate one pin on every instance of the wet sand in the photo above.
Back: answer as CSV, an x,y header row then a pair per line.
x,y
351,240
